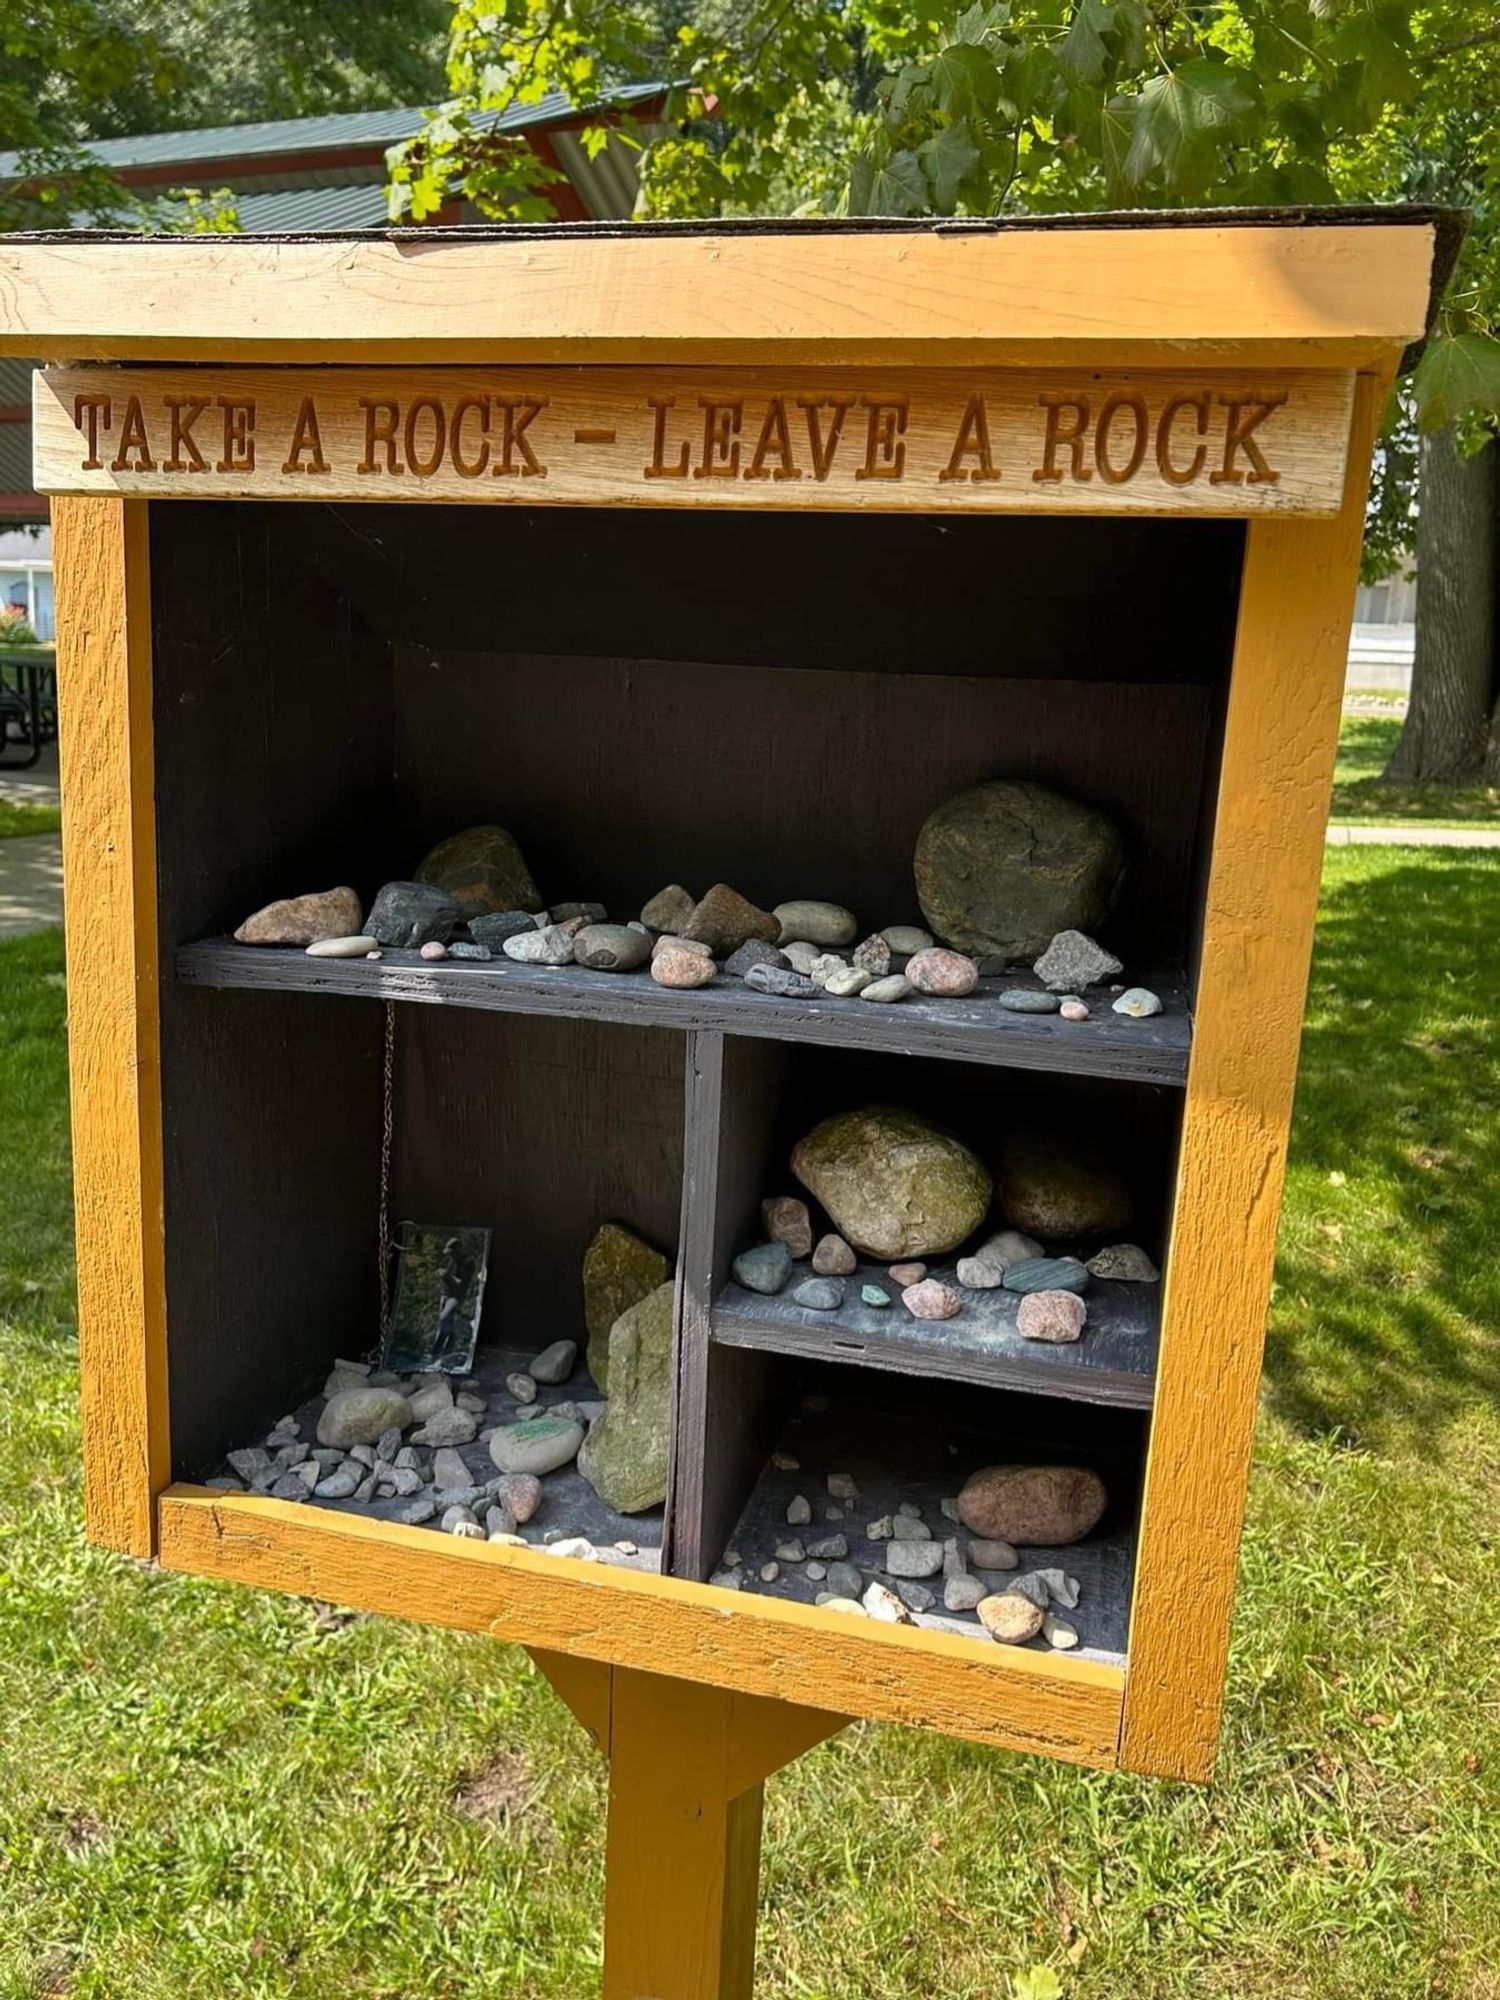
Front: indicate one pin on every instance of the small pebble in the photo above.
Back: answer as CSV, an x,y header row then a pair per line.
x,y
1061,1588
801,956
978,1274
886,1606
816,1572
448,1427
819,1294
1124,1261
1059,1633
886,991
913,1559
1046,1274
521,1492
1057,1317
344,947
847,983
949,1509
874,957
388,1444
577,1547
457,1517
669,909
880,1530
377,953
428,1400
479,954
791,1552
832,1548
784,1219
844,1580
1033,1587
764,1269
726,1579
591,913
915,1596
931,1300
521,1387
1138,1003
824,966
626,1548
433,949
784,1462
832,1257
418,1514
753,952
850,1606
833,1513
842,1486
681,969
1010,1618
1028,1000
781,981
555,1363
905,1529
906,940
449,1469
552,946
611,947
992,1555
667,942
806,921
875,1295
404,1480
908,1274
798,1511
475,1405
947,975
1073,961
1073,1009
769,1572
964,1592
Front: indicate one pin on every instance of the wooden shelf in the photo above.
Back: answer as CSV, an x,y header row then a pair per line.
x,y
976,1029
1113,1363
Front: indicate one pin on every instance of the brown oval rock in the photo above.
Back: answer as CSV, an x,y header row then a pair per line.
x,y
304,920
1054,1184
894,1186
832,1257
784,1219
723,919
1057,1317
482,870
946,974
1010,1618
1040,1506
680,966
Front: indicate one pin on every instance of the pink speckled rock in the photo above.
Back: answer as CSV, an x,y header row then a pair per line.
x,y
947,975
1057,1317
679,966
1074,1010
931,1300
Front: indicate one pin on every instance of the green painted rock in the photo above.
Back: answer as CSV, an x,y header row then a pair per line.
x,y
618,1272
1055,1186
895,1186
482,870
624,1456
1003,867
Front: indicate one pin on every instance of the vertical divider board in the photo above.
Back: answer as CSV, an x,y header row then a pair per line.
x,y
726,1398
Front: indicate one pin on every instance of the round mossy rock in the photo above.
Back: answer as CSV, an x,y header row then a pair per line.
x,y
482,870
1003,867
894,1185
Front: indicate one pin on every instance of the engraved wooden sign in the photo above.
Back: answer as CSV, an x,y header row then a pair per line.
x,y
1078,441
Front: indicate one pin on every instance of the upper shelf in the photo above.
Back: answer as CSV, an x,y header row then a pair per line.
x,y
977,1029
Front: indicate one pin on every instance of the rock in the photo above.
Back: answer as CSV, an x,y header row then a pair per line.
x,y
826,966
499,1520
542,1446
448,1427
578,1547
1058,1632
429,1399
1072,1008
668,910
624,1457
1057,1317
482,870
753,952
433,950
977,1274
726,1579
522,1387
360,1417
1061,1588
408,914
1027,1000
387,1445
987,1553
555,1363
289,1487
931,1300
458,1517
611,948
873,956
668,942
404,1481
913,1559
823,924
819,1294
1124,1262
908,1274
844,1580
906,940
1046,1274
801,957
885,992
874,1295
764,1269
850,1606
680,968
832,1548
915,1596
963,1593
790,1552
842,1486
1073,961
780,981
894,1186
251,1464
520,1493
1003,866
475,1405
1038,1506
343,947
847,983
449,1469
881,1529
304,920
619,1270
480,954
816,1572
581,913
1033,1588
785,1220
833,1513
832,1258
909,1528
769,1572
339,1485
947,975
1053,1184
798,1511
549,946
1010,1618
491,930
723,919
886,1606
1138,1003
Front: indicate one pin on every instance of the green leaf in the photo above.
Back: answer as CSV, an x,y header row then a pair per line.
x,y
1084,53
1184,114
1041,1983
897,188
965,79
1458,376
948,158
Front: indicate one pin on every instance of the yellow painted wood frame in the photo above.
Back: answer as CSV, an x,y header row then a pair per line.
x,y
1158,1714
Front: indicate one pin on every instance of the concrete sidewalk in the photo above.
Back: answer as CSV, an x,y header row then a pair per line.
x,y
1413,836
30,884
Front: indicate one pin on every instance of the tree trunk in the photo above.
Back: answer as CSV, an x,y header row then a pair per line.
x,y
1447,728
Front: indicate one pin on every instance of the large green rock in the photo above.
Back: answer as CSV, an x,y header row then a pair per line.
x,y
618,1271
1003,867
482,870
624,1456
895,1186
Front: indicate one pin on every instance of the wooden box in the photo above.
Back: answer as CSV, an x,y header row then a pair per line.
x,y
698,554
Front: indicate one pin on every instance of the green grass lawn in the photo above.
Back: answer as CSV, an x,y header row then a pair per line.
x,y
206,1793
18,819
1365,743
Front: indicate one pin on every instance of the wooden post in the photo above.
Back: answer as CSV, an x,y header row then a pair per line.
x,y
687,1765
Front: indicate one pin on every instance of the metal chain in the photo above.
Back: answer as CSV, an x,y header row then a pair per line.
x,y
386,1122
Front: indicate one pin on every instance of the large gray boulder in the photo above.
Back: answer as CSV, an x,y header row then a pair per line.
x,y
1003,867
894,1185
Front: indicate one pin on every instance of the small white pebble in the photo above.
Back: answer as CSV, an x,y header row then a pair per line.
x,y
432,949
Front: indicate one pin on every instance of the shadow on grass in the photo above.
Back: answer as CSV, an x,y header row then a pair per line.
x,y
1386,1323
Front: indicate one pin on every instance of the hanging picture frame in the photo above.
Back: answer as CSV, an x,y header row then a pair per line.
x,y
437,1298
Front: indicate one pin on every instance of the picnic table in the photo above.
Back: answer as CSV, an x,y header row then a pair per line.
x,y
28,703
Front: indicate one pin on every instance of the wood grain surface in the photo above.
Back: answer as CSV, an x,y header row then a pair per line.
x,y
1200,440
